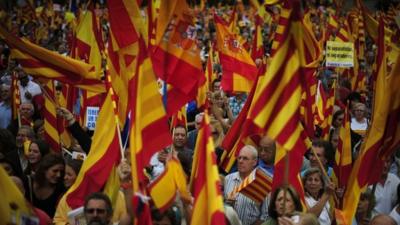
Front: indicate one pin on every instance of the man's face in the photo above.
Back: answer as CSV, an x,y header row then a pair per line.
x,y
266,150
5,93
246,161
23,78
96,213
320,152
22,135
179,137
26,110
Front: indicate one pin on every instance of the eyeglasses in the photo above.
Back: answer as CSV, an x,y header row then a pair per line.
x,y
92,210
244,158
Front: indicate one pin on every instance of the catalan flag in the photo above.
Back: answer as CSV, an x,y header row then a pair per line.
x,y
276,102
51,132
235,138
239,69
324,108
163,190
175,56
340,32
38,61
208,203
343,155
368,166
256,186
257,50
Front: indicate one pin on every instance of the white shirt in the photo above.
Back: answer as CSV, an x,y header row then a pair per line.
x,y
357,126
158,167
323,218
247,210
395,215
386,195
32,88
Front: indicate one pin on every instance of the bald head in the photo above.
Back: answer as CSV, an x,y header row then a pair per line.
x,y
19,183
266,150
382,219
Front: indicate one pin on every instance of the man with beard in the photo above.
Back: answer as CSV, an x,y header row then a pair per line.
x,y
98,209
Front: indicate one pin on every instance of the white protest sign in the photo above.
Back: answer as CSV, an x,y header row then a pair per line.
x,y
91,117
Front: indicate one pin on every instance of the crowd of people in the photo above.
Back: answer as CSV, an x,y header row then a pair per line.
x,y
44,175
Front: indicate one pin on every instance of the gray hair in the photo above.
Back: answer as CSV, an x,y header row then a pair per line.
x,y
252,149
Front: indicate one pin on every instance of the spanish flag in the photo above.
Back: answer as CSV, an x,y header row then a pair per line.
x,y
208,205
239,69
175,56
163,190
149,121
104,155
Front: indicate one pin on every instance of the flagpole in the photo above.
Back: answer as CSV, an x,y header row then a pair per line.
x,y
114,104
285,180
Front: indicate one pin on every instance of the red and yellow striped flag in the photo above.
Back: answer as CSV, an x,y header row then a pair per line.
x,y
40,62
239,69
257,50
368,166
340,32
163,189
256,186
276,103
176,57
51,123
343,156
208,205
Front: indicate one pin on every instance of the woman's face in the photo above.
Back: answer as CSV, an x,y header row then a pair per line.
x,y
313,184
54,173
284,207
359,112
338,121
363,205
34,155
69,177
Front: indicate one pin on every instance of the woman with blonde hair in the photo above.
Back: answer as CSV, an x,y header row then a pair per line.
x,y
359,121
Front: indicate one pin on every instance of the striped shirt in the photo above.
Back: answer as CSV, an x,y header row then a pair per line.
x,y
247,210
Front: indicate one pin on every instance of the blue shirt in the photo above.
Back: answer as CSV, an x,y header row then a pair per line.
x,y
266,168
5,118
